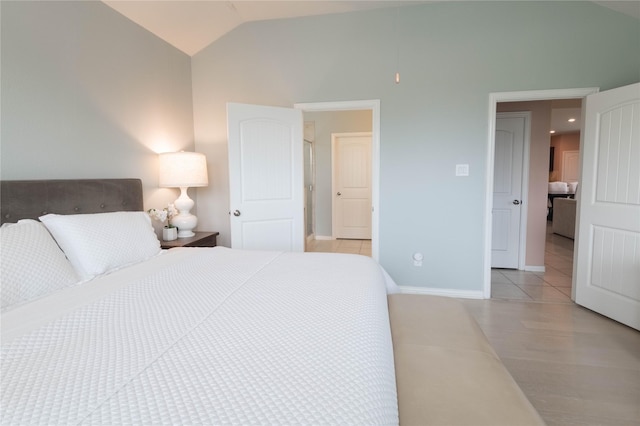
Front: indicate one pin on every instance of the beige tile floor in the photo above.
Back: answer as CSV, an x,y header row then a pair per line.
x,y
341,246
575,366
553,285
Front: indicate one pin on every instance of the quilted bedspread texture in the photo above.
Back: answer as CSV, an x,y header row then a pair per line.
x,y
215,336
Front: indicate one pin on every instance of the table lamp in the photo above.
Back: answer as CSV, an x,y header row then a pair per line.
x,y
183,170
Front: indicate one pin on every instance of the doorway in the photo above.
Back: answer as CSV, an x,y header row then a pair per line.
x,y
494,99
322,200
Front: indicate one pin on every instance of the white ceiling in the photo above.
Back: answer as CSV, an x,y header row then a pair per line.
x,y
560,120
192,25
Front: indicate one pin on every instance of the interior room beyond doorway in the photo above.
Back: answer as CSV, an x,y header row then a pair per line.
x,y
362,247
549,124
552,285
319,127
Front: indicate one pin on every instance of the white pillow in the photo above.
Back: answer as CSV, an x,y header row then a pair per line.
x,y
31,263
102,242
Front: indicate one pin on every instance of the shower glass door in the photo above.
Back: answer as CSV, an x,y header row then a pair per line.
x,y
309,185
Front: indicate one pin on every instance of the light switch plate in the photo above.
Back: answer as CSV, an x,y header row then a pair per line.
x,y
462,170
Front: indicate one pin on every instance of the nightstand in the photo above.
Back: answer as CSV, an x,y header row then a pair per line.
x,y
201,239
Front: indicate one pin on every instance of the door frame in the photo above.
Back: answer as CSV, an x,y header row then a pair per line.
x,y
524,181
334,138
374,106
494,99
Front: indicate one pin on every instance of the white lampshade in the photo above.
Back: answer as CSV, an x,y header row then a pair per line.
x,y
183,169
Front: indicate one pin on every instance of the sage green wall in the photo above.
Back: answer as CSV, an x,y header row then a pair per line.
x,y
452,55
86,93
327,123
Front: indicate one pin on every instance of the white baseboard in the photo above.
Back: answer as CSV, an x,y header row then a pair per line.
x,y
324,237
533,268
463,294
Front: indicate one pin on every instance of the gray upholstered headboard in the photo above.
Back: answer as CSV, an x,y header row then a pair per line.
x,y
30,199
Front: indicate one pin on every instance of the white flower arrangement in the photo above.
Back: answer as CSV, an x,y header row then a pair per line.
x,y
165,214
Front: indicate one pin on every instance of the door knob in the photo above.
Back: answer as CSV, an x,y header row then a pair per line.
x,y
516,202
339,193
237,213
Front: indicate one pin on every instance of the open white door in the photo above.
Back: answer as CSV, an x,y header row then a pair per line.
x,y
607,263
507,190
266,177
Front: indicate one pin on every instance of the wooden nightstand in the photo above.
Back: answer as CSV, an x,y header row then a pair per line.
x,y
201,239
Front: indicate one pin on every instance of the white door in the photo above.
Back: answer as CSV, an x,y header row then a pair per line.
x,y
507,190
607,263
265,177
570,166
351,174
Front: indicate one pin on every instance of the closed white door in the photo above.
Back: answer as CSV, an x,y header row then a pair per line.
x,y
266,177
507,190
351,171
570,166
607,261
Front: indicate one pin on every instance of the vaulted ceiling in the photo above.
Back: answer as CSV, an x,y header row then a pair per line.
x,y
192,25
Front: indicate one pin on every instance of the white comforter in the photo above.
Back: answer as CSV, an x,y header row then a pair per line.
x,y
207,336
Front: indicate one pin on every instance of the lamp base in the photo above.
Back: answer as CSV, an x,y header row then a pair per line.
x,y
185,234
184,220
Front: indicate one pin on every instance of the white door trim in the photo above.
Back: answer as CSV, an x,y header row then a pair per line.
x,y
524,191
374,106
494,99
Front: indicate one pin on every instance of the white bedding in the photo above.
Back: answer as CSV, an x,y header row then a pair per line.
x,y
204,336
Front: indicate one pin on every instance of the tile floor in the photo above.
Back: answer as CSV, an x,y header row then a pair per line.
x,y
574,365
341,246
552,285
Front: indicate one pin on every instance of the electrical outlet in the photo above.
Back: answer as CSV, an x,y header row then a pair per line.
x,y
417,259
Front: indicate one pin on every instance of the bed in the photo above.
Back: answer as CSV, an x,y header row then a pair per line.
x,y
197,335
121,332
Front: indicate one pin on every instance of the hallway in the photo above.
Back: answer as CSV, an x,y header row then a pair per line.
x,y
552,285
